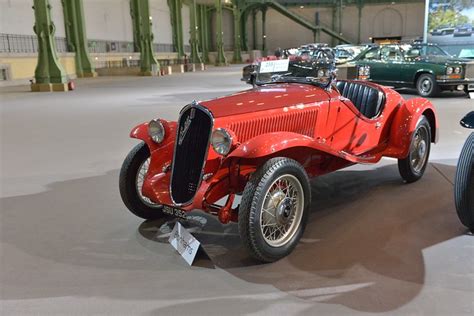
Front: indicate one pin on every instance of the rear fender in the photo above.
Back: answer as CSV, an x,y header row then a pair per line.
x,y
404,124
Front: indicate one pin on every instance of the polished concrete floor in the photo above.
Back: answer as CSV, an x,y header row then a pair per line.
x,y
69,246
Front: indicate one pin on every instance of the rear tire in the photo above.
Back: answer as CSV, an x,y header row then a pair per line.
x,y
464,184
274,209
426,86
132,167
414,165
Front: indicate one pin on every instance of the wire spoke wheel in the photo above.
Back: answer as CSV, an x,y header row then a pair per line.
x,y
282,210
141,174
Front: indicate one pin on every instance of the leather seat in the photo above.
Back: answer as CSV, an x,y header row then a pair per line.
x,y
368,100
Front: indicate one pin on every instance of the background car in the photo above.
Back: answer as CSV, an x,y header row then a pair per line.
x,y
463,30
464,179
425,67
443,30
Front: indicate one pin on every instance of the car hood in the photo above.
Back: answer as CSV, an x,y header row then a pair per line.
x,y
266,97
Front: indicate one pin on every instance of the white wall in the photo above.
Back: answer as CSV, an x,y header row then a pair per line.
x,y
108,20
160,13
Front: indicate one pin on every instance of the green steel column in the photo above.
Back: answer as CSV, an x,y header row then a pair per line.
x,y
220,58
339,18
204,34
254,29
237,58
194,39
264,32
334,21
177,25
49,73
77,38
141,13
243,31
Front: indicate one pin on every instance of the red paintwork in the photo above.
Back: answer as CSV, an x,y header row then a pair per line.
x,y
318,128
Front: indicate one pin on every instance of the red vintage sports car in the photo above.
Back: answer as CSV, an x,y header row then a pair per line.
x,y
265,144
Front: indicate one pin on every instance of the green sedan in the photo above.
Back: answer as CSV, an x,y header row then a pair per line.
x,y
425,67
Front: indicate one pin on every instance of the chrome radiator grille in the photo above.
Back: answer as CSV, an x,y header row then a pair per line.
x,y
301,122
470,71
192,144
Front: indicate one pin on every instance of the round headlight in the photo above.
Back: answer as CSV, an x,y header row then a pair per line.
x,y
361,71
156,131
367,71
449,70
321,73
457,70
221,141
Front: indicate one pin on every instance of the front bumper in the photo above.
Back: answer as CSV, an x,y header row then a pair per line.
x,y
447,84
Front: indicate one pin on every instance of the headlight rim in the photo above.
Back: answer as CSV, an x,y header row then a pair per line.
x,y
449,70
156,138
458,70
229,135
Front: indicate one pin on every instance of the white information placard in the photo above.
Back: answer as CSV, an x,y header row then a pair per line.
x,y
471,95
274,66
185,243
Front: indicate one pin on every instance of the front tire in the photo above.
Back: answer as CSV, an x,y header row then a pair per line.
x,y
464,184
274,209
134,169
426,86
413,167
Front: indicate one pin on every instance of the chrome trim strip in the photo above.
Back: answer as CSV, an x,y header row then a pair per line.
x,y
197,105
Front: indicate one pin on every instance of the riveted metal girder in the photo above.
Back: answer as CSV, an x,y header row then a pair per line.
x,y
140,11
76,37
49,69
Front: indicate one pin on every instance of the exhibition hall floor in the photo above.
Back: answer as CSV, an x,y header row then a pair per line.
x,y
69,246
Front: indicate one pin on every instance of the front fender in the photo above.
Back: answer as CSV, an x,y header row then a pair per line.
x,y
141,132
404,125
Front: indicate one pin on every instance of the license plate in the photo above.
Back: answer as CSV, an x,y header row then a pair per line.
x,y
470,87
174,211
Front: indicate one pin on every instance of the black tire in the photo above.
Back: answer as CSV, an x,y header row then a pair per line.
x,y
408,171
127,184
252,203
464,184
426,86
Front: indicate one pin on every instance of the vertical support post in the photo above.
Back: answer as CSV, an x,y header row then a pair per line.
x,y
194,39
254,29
317,32
204,28
220,59
264,31
360,6
243,31
140,10
237,58
339,19
177,25
77,37
49,73
334,21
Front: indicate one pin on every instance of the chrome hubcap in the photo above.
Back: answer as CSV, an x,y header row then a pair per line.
x,y
426,86
142,172
419,149
282,210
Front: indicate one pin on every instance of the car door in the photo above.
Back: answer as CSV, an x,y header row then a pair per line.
x,y
393,62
